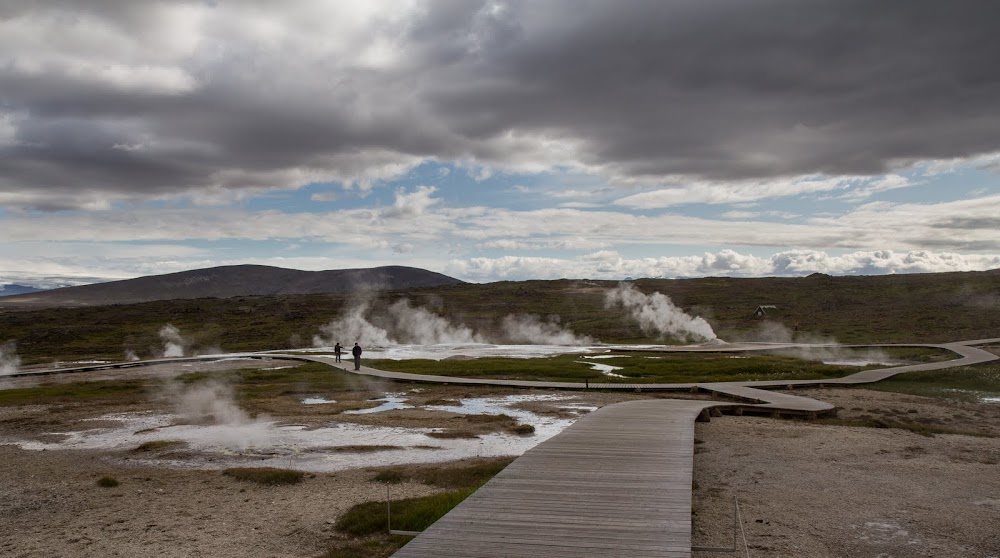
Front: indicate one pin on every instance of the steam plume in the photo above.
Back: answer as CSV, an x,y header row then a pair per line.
x,y
213,403
173,343
404,324
815,347
9,360
657,313
528,328
419,325
353,327
209,403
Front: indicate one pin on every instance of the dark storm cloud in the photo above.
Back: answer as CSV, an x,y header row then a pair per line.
x,y
736,89
722,89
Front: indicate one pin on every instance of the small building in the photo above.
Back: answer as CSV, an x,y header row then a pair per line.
x,y
761,312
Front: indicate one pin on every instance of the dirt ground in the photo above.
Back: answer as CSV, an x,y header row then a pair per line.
x,y
806,489
829,491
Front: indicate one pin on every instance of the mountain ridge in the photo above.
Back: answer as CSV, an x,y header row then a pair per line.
x,y
233,281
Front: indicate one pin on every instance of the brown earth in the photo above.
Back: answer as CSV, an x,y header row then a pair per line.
x,y
829,491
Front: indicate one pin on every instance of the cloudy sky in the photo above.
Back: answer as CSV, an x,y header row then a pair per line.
x,y
495,140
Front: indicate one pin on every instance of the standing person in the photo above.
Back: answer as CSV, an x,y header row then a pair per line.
x,y
356,351
336,351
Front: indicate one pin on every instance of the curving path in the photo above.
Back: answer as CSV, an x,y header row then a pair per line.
x,y
751,395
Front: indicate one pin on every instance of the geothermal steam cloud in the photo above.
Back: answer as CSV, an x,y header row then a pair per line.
x,y
526,328
656,313
405,323
173,343
9,361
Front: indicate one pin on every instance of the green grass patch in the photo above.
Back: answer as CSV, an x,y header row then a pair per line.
x,y
411,514
966,383
265,475
107,482
377,546
109,390
472,474
252,384
636,367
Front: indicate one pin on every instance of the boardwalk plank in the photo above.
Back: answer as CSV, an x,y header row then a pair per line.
x,y
617,482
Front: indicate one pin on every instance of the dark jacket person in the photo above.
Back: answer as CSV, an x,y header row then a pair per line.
x,y
356,351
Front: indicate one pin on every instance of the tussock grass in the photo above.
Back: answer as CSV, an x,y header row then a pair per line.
x,y
107,482
378,546
368,522
637,367
453,434
360,448
523,429
265,475
110,391
159,445
470,473
392,476
411,514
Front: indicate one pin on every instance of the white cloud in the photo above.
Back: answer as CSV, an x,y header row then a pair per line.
x,y
610,265
733,192
743,215
412,204
323,197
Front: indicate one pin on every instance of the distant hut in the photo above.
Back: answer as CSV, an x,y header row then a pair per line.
x,y
760,311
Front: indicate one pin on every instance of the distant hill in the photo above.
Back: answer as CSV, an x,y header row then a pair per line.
x,y
8,290
232,281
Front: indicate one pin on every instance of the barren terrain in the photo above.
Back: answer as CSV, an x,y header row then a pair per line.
x,y
831,491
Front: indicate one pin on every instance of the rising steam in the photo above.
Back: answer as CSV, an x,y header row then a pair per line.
x,y
817,348
403,323
656,313
421,326
528,328
211,402
9,360
173,343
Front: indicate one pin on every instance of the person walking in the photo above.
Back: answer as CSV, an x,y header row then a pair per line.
x,y
336,351
356,351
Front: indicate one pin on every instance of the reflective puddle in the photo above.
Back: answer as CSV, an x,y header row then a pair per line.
x,y
391,402
605,369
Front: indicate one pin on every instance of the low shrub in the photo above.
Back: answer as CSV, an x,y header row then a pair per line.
x,y
523,429
157,445
411,514
265,475
107,482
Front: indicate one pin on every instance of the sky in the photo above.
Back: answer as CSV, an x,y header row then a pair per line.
x,y
499,140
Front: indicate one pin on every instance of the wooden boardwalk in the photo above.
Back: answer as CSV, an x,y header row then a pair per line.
x,y
615,483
